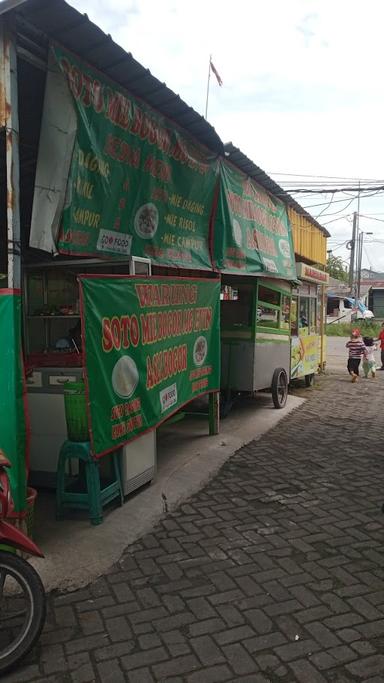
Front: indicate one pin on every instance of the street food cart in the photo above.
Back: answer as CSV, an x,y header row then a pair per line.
x,y
307,323
255,337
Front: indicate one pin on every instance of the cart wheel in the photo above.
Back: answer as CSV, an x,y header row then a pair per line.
x,y
279,388
309,379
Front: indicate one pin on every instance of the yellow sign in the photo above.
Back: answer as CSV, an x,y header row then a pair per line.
x,y
304,355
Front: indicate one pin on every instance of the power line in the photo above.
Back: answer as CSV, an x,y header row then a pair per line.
x,y
371,218
335,201
325,208
340,218
375,189
332,177
340,210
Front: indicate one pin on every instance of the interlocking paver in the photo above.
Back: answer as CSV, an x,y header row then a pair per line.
x,y
273,571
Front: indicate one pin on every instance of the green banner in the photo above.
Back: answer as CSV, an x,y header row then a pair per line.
x,y
150,347
137,185
13,433
252,233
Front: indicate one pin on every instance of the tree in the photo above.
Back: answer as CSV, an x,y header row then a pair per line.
x,y
336,268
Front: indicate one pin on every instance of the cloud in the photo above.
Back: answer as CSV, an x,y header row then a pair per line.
x,y
307,27
302,79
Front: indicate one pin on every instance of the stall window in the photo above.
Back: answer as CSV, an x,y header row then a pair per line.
x,y
312,316
267,317
308,316
236,311
268,308
285,312
294,321
304,315
269,296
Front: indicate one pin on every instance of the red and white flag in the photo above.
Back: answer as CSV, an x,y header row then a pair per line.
x,y
214,70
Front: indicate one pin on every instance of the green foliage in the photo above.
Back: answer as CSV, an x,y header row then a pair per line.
x,y
366,327
335,268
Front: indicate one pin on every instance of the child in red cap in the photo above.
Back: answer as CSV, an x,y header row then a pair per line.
x,y
356,351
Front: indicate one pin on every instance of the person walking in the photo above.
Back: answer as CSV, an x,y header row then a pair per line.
x,y
369,361
381,340
356,350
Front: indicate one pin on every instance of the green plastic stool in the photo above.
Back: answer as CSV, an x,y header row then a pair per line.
x,y
94,498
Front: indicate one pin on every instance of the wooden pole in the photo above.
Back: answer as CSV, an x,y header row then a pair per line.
x,y
214,413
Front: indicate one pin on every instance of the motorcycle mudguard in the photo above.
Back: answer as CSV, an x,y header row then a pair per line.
x,y
9,535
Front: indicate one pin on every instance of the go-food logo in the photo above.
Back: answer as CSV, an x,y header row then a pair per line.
x,y
168,397
114,242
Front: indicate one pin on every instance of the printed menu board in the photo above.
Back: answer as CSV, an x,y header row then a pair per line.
x,y
252,233
137,184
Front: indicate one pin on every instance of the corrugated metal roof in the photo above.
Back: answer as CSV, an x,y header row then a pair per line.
x,y
239,159
61,22
7,5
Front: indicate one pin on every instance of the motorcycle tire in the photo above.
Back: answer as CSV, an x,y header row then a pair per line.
x,y
29,581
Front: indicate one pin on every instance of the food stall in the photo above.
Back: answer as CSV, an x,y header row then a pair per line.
x,y
253,249
255,337
105,174
118,187
54,353
307,323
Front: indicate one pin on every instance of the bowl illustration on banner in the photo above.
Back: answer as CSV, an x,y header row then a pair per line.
x,y
237,234
270,265
285,248
125,377
146,221
200,350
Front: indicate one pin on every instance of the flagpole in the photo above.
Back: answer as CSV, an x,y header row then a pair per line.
x,y
209,78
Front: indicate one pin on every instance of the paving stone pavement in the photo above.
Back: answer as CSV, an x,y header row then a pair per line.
x,y
273,572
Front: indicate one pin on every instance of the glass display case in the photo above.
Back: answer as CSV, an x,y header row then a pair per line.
x,y
52,307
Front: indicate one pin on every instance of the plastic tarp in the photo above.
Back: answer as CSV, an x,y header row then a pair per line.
x,y
57,138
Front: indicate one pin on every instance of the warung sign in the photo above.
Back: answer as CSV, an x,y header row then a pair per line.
x,y
150,347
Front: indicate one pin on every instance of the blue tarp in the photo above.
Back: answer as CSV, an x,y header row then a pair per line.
x,y
362,307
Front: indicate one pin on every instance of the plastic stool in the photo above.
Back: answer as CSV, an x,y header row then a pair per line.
x,y
94,498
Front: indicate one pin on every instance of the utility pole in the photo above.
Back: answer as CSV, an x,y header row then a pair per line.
x,y
353,251
360,240
360,259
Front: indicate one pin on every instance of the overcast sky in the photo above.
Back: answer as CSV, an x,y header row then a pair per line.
x,y
303,86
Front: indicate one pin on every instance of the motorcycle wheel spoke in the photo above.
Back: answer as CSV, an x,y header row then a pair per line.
x,y
13,615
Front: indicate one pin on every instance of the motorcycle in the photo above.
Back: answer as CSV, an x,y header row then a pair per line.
x,y
22,595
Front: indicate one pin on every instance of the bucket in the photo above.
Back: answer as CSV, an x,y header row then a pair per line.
x,y
76,411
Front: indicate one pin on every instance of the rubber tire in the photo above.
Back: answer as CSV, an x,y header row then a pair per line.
x,y
277,401
39,606
309,379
